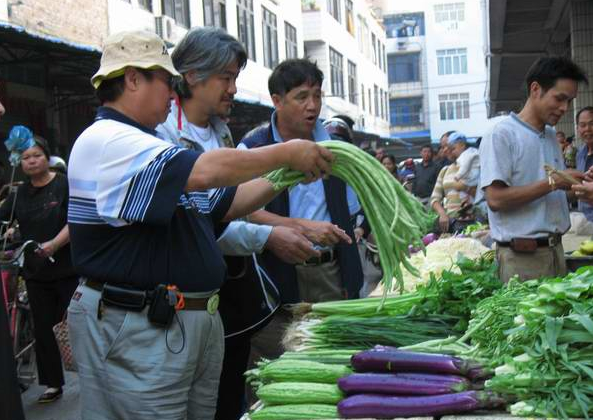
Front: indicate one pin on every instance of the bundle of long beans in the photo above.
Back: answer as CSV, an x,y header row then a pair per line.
x,y
397,219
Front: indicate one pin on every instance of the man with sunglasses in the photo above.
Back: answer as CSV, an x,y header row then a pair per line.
x,y
144,325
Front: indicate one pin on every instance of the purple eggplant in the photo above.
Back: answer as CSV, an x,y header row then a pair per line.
x,y
402,384
388,360
389,407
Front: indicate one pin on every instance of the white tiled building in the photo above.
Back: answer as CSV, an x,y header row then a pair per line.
x,y
348,43
438,72
273,30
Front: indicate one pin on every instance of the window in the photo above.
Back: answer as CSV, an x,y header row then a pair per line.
x,y
270,36
337,72
377,101
403,68
453,61
404,25
215,13
382,103
145,4
370,102
290,41
245,26
363,37
384,60
362,96
454,106
350,17
379,56
405,111
449,12
386,99
374,43
178,10
352,82
333,7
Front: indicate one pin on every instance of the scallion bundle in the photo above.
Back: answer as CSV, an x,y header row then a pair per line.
x,y
397,219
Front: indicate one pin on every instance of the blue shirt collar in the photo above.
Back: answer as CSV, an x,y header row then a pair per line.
x,y
107,113
528,126
319,132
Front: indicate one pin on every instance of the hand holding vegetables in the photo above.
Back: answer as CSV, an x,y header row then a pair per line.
x,y
397,219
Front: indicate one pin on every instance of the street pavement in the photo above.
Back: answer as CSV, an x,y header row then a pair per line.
x,y
66,408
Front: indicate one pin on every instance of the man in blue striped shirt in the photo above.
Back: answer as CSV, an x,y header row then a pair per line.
x,y
139,217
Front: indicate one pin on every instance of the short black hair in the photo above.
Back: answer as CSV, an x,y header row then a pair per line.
x,y
547,70
427,146
292,73
447,134
390,157
111,89
561,133
584,109
570,139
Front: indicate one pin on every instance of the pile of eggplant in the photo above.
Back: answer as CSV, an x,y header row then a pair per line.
x,y
390,383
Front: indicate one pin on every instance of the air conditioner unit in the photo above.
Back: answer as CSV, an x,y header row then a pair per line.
x,y
166,28
402,45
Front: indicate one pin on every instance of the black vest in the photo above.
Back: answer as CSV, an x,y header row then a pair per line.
x,y
283,274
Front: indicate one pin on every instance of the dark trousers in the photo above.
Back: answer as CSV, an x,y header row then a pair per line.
x,y
231,390
10,400
49,300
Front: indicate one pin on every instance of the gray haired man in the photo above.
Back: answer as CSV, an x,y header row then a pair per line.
x,y
210,60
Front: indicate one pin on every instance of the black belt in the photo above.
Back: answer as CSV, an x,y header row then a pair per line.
x,y
191,304
545,242
325,257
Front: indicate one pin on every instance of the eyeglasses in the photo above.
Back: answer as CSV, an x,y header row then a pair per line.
x,y
167,78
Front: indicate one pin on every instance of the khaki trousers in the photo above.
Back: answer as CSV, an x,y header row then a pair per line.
x,y
544,262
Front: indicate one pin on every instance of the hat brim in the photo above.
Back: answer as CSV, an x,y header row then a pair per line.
x,y
115,70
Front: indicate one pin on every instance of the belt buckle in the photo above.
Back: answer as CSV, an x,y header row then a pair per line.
x,y
212,305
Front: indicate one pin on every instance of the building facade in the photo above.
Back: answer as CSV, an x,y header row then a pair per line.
x,y
436,66
348,43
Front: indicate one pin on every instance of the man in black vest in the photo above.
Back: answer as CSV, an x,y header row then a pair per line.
x,y
295,88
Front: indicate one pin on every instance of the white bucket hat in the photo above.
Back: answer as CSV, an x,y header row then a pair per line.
x,y
142,49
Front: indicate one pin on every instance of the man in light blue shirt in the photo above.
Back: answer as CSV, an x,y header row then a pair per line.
x,y
528,210
295,88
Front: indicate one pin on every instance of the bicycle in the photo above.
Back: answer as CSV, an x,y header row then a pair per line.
x,y
19,311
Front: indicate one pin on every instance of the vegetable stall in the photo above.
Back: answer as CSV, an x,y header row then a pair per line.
x,y
455,340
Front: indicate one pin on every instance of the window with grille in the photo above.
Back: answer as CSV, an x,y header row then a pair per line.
x,y
270,37
449,12
350,17
374,44
454,106
377,110
337,72
402,68
352,82
178,10
405,111
290,41
245,26
333,7
362,96
215,13
452,61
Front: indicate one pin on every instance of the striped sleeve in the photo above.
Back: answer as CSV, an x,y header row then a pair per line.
x,y
144,190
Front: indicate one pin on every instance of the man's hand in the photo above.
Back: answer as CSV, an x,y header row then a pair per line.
x,y
309,158
444,223
323,233
358,234
584,191
562,183
290,245
46,249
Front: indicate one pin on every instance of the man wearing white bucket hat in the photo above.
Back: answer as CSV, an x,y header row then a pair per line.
x,y
144,325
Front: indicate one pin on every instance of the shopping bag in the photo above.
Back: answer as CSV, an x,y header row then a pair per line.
x,y
63,340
